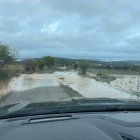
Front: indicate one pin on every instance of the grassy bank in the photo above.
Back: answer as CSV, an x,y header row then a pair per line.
x,y
70,91
104,78
114,72
6,74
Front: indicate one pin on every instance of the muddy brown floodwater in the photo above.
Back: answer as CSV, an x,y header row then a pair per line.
x,y
91,88
85,86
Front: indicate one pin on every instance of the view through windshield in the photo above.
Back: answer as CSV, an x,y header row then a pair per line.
x,y
55,50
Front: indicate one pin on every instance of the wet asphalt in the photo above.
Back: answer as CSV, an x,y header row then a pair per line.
x,y
40,94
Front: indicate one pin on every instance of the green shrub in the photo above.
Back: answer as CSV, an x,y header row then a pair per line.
x,y
104,77
71,92
6,74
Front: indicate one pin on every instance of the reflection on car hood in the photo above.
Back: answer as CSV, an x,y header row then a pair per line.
x,y
25,108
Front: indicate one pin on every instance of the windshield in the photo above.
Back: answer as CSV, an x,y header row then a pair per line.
x,y
61,51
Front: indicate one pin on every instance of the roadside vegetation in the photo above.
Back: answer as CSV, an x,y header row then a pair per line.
x,y
106,71
114,71
71,92
103,71
83,67
6,74
41,65
7,57
104,77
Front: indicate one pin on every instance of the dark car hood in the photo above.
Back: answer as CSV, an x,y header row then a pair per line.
x,y
98,126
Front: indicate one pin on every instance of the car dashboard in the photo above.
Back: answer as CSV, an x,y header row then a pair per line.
x,y
76,126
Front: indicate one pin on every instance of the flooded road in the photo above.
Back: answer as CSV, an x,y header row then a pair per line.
x,y
87,87
30,81
91,88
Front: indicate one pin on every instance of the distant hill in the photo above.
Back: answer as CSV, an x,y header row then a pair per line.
x,y
67,61
124,62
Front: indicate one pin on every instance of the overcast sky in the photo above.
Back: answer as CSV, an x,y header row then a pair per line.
x,y
91,29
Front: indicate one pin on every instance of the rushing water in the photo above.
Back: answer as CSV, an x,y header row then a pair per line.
x,y
91,88
86,86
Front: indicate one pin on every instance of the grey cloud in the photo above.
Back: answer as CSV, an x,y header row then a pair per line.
x,y
77,28
9,25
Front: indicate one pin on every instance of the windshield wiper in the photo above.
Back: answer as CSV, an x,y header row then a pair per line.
x,y
83,100
71,109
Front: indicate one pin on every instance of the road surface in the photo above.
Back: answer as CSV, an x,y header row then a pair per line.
x,y
41,94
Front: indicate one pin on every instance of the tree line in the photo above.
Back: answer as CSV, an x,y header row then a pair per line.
x,y
8,56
